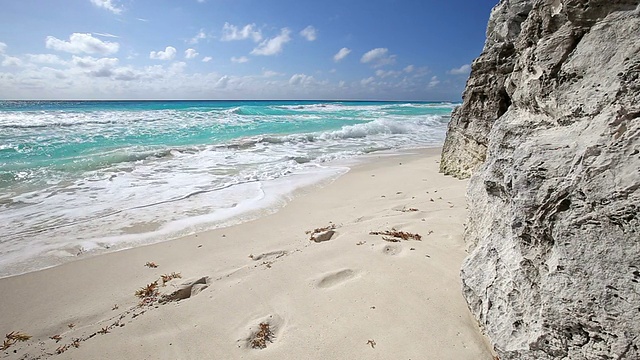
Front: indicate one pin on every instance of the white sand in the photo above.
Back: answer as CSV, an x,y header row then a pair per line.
x,y
321,300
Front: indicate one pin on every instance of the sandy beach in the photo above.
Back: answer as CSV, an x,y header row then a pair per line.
x,y
354,296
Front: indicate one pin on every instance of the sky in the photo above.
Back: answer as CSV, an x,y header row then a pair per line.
x,y
239,49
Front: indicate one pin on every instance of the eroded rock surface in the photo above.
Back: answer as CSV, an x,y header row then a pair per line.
x,y
550,129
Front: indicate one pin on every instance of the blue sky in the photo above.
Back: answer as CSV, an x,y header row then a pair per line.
x,y
239,49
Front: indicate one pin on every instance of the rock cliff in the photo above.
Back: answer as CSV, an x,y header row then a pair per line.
x,y
550,131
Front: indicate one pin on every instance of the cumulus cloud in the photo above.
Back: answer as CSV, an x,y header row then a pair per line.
x,y
222,82
232,32
462,70
3,47
433,82
378,57
102,67
409,69
274,45
341,54
82,43
11,61
168,54
310,33
190,53
201,35
301,79
45,59
207,59
383,74
367,81
89,62
239,60
270,73
108,5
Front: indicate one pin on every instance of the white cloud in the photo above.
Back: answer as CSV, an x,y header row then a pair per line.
x,y
3,47
409,69
270,73
45,59
207,59
89,62
232,32
168,54
108,5
433,82
103,67
274,45
310,33
82,43
106,35
143,20
201,35
462,70
378,57
301,79
190,53
11,61
367,81
341,54
222,82
383,74
239,60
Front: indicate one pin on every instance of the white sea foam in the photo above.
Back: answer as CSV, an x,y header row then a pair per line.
x,y
128,195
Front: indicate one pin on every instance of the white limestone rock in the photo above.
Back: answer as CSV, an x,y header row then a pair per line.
x,y
554,228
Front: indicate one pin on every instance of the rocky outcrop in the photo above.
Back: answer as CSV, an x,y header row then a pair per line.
x,y
551,132
485,97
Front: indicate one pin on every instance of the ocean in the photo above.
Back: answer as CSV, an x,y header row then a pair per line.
x,y
85,177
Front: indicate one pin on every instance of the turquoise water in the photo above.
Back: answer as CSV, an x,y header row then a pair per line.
x,y
81,177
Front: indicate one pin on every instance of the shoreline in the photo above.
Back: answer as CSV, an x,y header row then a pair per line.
x,y
322,300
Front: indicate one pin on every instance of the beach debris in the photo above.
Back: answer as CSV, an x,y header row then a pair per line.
x,y
166,278
17,336
430,232
13,337
394,235
151,265
149,291
104,330
404,209
390,239
361,242
6,344
75,343
115,307
322,234
57,338
62,349
262,336
372,343
71,325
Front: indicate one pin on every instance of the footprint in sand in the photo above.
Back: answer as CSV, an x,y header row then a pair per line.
x,y
190,288
335,278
